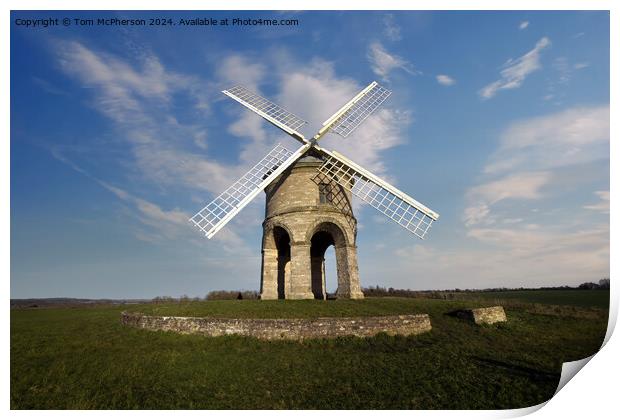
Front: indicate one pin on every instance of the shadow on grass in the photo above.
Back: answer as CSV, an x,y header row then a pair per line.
x,y
533,374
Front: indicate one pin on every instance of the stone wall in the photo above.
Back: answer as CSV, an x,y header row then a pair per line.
x,y
489,315
283,329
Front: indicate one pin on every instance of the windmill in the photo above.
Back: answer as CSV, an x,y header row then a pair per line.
x,y
309,192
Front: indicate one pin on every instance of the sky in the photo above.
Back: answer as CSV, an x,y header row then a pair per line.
x,y
498,121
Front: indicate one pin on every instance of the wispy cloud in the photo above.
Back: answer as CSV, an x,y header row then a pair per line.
x,y
176,156
169,223
525,185
48,87
157,225
508,218
323,93
444,79
512,257
514,72
603,204
137,98
239,70
573,136
383,62
523,25
391,29
160,225
564,70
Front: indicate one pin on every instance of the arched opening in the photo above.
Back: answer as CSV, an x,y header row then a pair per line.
x,y
283,245
331,274
318,245
328,274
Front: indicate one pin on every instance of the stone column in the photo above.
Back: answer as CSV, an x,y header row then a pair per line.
x,y
318,277
301,281
269,275
348,274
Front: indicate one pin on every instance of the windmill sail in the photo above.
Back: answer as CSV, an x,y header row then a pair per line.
x,y
220,211
395,204
392,202
273,113
354,112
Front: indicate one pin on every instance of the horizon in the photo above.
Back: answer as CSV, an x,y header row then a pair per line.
x,y
576,287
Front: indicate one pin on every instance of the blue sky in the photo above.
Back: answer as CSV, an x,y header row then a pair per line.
x,y
499,121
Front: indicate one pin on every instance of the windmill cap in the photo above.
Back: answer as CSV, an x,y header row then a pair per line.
x,y
310,159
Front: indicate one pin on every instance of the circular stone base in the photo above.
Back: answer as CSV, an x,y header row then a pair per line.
x,y
283,329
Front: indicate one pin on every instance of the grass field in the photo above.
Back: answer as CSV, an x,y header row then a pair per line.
x,y
82,358
582,298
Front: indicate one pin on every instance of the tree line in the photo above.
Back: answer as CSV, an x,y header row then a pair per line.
x,y
378,291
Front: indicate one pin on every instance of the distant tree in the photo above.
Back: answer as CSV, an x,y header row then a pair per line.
x,y
163,299
603,284
588,286
232,294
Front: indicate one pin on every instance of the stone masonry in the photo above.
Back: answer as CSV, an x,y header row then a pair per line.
x,y
304,215
489,315
283,329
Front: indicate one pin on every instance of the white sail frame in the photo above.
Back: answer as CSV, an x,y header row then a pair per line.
x,y
275,114
371,189
389,200
225,206
355,112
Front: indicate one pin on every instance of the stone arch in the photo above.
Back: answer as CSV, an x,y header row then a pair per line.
x,y
276,261
268,238
321,237
335,227
282,241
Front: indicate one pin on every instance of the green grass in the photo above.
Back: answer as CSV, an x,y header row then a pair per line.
x,y
582,298
84,358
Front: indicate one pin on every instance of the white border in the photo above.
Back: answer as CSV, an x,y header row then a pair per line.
x,y
591,395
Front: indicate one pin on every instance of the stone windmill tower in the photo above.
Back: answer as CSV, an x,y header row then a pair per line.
x,y
304,215
308,207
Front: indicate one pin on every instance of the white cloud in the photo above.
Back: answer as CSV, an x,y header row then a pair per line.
x,y
539,241
323,93
549,156
500,257
582,65
524,25
573,136
476,214
445,80
383,63
136,100
390,28
239,70
603,205
122,86
532,160
525,185
160,225
515,71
